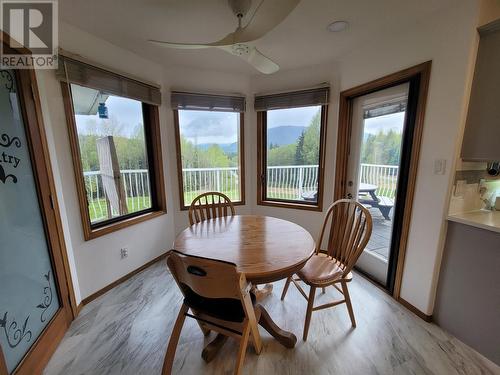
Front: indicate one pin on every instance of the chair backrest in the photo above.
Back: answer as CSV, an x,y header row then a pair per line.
x,y
210,205
350,229
208,278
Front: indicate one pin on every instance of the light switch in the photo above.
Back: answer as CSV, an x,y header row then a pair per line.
x,y
440,166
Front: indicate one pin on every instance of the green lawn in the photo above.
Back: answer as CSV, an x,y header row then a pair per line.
x,y
99,210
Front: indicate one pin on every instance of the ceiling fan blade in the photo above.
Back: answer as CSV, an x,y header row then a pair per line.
x,y
180,45
268,15
262,63
252,56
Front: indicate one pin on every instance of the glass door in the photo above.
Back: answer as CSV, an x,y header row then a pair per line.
x,y
378,122
29,294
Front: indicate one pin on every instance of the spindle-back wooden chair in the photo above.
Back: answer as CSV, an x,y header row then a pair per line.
x,y
210,205
220,300
350,228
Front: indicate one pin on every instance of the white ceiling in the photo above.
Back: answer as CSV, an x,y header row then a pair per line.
x,y
300,40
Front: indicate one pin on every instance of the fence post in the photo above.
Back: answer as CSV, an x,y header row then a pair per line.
x,y
301,181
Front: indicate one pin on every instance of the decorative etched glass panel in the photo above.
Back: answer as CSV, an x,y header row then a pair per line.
x,y
28,296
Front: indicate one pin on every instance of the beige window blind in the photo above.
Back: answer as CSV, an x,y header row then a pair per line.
x,y
207,102
294,99
108,82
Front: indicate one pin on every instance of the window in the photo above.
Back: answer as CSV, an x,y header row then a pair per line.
x,y
209,132
292,130
116,153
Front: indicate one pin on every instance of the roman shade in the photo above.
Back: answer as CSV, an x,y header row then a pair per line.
x,y
388,108
294,99
207,102
107,82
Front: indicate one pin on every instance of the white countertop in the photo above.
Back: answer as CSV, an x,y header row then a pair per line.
x,y
489,220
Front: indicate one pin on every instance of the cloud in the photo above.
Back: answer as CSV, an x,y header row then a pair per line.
x,y
385,123
208,124
291,116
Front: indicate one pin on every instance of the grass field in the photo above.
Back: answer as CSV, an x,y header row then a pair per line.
x,y
99,209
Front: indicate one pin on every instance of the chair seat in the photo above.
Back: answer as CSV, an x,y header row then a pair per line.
x,y
322,270
228,309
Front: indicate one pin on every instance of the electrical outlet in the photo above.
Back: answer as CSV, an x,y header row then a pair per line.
x,y
123,252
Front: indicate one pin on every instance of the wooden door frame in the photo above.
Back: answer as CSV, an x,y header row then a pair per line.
x,y
38,355
420,75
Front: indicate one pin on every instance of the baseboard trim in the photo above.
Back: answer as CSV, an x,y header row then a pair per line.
x,y
107,288
79,308
413,309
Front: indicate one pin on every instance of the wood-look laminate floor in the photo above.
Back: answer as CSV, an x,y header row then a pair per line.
x,y
126,331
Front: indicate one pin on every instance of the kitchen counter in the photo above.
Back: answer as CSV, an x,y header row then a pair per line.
x,y
484,219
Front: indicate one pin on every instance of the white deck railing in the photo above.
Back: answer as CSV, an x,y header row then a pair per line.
x,y
384,176
136,187
292,182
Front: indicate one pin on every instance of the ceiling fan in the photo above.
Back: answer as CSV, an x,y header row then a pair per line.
x,y
267,15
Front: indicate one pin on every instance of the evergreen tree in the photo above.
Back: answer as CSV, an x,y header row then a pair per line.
x,y
299,150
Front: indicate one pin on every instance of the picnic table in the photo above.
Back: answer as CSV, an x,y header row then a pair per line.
x,y
368,196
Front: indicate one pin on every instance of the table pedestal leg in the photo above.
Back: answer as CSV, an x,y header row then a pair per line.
x,y
285,338
213,348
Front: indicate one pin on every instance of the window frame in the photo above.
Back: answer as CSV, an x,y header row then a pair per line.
x,y
262,199
155,165
241,141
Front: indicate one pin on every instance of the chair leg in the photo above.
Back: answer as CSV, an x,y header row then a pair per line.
x,y
285,289
310,305
174,339
242,350
348,303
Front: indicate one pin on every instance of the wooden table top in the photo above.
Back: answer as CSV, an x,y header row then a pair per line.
x,y
265,248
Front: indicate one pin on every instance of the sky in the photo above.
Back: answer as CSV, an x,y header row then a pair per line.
x,y
127,112
291,116
385,123
202,127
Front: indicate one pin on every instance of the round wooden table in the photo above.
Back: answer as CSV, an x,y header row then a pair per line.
x,y
265,249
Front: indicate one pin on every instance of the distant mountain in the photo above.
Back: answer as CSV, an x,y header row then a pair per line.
x,y
228,148
281,135
284,135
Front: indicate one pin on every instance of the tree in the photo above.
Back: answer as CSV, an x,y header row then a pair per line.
x,y
382,148
312,140
299,150
282,155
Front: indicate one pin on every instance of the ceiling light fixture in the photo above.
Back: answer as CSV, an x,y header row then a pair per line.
x,y
338,26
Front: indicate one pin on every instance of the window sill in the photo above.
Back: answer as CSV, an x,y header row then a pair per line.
x,y
293,205
238,203
90,234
